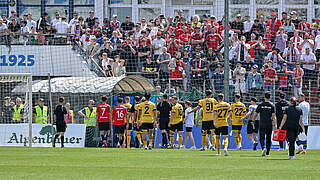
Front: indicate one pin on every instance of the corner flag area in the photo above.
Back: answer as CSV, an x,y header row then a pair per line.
x,y
92,163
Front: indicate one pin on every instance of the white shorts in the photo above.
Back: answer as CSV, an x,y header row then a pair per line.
x,y
240,87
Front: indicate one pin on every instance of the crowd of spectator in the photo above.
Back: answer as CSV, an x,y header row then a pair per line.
x,y
266,54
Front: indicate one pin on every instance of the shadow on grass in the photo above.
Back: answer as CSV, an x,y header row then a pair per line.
x,y
253,156
278,159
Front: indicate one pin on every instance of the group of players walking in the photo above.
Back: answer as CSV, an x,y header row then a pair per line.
x,y
142,118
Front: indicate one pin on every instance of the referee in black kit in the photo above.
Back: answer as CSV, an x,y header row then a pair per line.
x,y
164,108
292,121
267,113
59,117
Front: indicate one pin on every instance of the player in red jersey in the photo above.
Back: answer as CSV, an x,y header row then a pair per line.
x,y
103,113
119,115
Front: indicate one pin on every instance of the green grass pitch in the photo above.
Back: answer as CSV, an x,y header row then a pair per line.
x,y
92,163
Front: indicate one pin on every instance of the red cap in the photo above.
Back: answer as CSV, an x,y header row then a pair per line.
x,y
159,33
274,14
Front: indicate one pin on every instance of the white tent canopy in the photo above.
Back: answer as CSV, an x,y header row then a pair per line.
x,y
125,84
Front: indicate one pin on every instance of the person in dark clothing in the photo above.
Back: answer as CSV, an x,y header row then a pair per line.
x,y
280,108
292,121
267,120
164,109
59,117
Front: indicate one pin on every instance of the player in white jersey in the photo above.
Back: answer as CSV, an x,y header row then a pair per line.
x,y
305,107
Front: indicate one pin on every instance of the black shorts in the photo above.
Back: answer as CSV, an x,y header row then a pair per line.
x,y
237,127
188,129
104,126
61,127
119,129
137,129
207,125
223,130
250,128
146,126
130,127
178,127
164,125
305,128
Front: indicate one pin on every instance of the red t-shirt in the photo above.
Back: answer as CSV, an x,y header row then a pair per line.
x,y
171,47
179,32
185,37
148,41
119,113
197,37
177,73
270,73
274,25
103,112
302,28
251,51
213,41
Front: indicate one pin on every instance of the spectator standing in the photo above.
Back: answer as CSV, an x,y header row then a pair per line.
x,y
291,55
307,43
297,40
198,70
18,111
284,80
317,47
254,82
43,22
157,45
298,74
257,28
247,25
308,60
149,69
304,26
7,111
30,22
56,20
14,16
41,113
276,59
15,30
70,115
163,62
74,23
89,22
217,81
270,76
106,65
239,75
289,27
115,24
281,40
242,50
127,25
115,66
237,26
274,23
143,52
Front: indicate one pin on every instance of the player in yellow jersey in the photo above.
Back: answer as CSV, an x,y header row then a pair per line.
x,y
238,111
136,119
207,105
129,122
176,121
221,114
148,120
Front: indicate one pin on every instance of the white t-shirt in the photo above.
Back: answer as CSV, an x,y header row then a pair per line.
x,y
158,43
55,21
190,119
25,30
292,54
310,57
240,78
3,27
62,27
106,63
72,24
31,24
275,58
247,25
305,46
317,40
305,107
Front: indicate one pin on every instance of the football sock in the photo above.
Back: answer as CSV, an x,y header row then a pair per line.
x,y
128,140
121,140
236,137
171,140
239,139
164,139
180,139
124,137
218,144
139,136
213,137
145,141
204,138
226,143
55,138
62,140
101,138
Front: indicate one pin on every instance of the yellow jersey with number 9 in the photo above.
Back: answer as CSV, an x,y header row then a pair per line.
x,y
238,110
147,108
207,105
222,109
178,114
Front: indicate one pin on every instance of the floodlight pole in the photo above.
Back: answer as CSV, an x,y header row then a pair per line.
x,y
226,50
51,108
30,110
